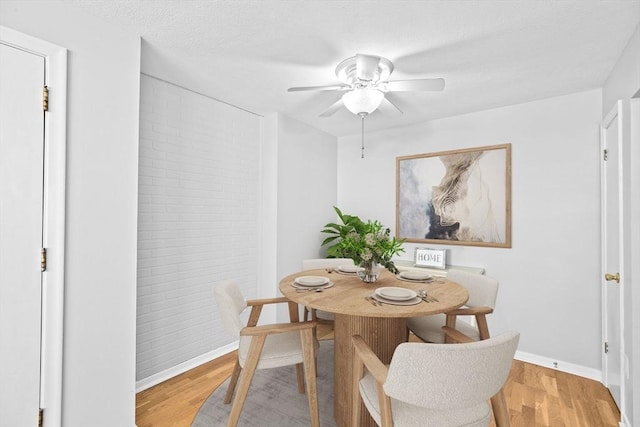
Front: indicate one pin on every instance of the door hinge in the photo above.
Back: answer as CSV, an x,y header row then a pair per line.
x,y
612,277
605,155
606,347
45,98
40,417
43,259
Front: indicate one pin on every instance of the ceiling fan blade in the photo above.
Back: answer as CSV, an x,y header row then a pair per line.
x,y
366,66
434,85
332,109
388,107
331,87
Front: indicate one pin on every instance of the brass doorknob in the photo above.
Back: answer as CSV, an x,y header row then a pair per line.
x,y
609,277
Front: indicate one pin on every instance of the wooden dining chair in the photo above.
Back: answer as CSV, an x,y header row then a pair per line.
x,y
313,264
267,346
434,384
483,292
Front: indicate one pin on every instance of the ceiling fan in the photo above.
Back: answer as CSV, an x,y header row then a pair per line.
x,y
364,80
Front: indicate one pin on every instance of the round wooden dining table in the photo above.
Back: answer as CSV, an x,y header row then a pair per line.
x,y
382,327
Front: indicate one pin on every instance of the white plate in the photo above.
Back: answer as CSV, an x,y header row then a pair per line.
x,y
412,301
396,294
415,275
311,280
349,268
312,288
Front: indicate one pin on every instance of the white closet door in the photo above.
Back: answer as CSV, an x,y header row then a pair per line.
x,y
21,189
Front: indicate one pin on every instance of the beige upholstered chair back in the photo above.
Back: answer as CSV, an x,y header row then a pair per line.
x,y
312,264
231,304
483,290
450,376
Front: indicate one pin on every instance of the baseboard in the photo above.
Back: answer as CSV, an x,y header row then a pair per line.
x,y
570,368
183,367
625,422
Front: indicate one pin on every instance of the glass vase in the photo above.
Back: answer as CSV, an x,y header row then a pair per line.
x,y
369,271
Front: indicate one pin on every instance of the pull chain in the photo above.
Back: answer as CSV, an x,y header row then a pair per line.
x,y
363,116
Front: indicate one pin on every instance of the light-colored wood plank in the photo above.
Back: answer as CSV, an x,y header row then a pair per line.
x,y
175,402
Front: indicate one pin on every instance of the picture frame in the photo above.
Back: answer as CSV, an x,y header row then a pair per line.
x,y
430,257
456,197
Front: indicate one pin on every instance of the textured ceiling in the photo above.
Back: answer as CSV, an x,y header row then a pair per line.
x,y
491,53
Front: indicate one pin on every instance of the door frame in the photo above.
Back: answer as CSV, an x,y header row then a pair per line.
x,y
53,230
619,113
633,302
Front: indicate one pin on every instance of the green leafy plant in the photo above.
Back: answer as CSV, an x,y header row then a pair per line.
x,y
364,242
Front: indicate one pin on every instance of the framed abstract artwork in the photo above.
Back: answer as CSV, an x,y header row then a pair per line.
x,y
458,197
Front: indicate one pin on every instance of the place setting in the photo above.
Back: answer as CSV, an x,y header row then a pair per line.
x,y
347,270
311,283
394,296
415,276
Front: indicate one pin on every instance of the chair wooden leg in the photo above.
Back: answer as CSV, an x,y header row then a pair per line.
x,y
300,375
483,327
257,343
313,312
385,407
500,409
451,323
358,372
233,382
308,352
294,315
315,356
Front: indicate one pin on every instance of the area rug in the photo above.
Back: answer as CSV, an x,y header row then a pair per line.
x,y
273,399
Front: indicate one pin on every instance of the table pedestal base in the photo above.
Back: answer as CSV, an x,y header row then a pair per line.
x,y
382,334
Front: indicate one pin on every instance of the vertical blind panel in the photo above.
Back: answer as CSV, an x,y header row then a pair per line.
x,y
198,220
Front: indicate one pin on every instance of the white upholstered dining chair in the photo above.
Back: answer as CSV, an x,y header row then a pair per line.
x,y
315,263
483,292
266,346
435,384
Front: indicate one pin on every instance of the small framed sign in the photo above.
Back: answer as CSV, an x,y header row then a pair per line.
x,y
429,257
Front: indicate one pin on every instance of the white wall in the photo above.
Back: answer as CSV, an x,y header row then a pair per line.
x,y
624,80
102,174
306,193
197,223
549,279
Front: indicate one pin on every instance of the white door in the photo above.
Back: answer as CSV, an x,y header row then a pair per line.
x,y
21,202
614,131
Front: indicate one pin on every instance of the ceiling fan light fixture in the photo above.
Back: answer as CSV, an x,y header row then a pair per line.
x,y
362,100
364,85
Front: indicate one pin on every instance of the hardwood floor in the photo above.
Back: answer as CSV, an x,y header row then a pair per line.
x,y
539,396
536,396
